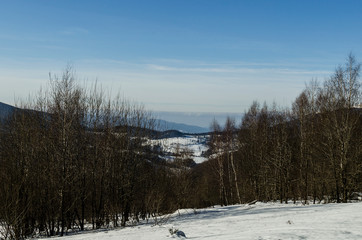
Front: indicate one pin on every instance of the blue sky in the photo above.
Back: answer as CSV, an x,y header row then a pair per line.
x,y
183,56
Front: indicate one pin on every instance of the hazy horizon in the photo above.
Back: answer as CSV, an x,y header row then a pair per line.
x,y
202,119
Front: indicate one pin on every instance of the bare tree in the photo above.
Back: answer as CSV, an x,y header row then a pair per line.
x,y
216,145
340,94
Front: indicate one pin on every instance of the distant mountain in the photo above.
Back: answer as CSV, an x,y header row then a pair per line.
x,y
6,110
185,128
201,119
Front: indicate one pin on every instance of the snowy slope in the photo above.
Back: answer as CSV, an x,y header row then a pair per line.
x,y
259,221
196,144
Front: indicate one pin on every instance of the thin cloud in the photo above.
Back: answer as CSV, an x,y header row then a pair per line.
x,y
194,67
205,70
223,69
299,63
21,37
54,47
176,86
74,31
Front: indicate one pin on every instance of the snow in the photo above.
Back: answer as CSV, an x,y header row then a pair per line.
x,y
259,221
196,144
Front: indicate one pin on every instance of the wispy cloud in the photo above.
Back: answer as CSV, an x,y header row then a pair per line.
x,y
74,31
185,66
234,69
9,37
53,47
23,37
176,85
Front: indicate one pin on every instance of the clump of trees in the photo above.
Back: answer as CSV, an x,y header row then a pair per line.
x,y
78,158
312,151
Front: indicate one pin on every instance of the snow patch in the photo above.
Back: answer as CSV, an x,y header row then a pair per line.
x,y
196,144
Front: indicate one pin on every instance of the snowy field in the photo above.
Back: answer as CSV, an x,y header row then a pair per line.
x,y
195,144
259,221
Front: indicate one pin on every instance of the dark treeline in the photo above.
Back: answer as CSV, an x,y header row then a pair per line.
x,y
312,151
79,159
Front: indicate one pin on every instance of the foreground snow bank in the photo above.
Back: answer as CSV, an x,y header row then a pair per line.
x,y
259,221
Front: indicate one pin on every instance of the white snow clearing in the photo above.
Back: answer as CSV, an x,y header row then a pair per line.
x,y
259,221
196,145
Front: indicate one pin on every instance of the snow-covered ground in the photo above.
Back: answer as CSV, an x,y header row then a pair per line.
x,y
195,144
259,221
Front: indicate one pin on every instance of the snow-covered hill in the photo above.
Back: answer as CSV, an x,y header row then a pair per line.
x,y
196,145
259,221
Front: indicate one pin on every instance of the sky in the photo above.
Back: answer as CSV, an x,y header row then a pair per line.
x,y
200,56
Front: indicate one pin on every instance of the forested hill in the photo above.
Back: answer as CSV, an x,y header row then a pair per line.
x,y
5,110
185,128
162,126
